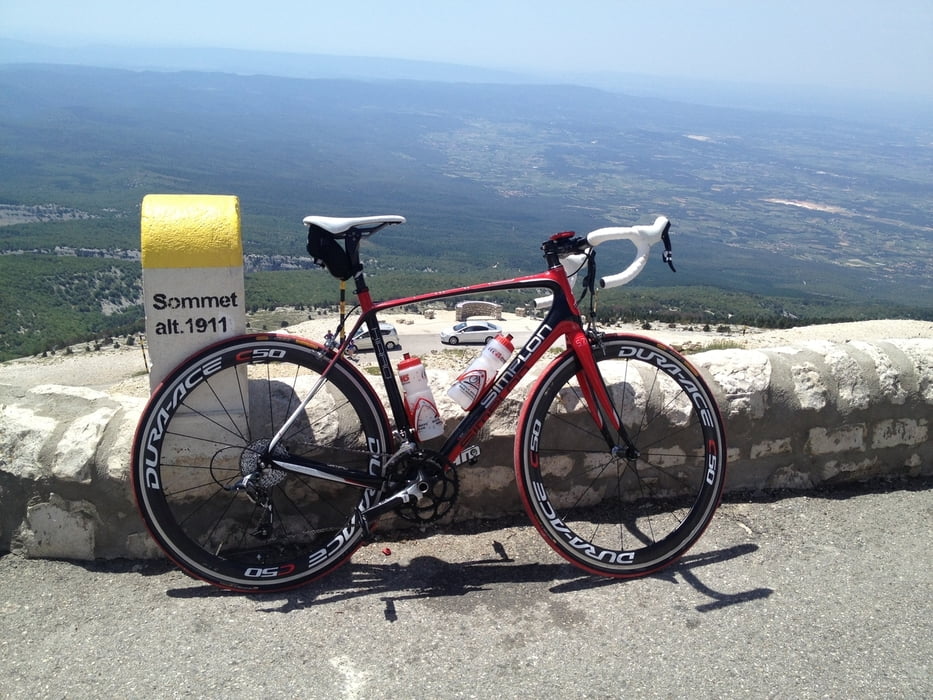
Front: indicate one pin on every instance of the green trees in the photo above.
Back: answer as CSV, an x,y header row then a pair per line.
x,y
49,302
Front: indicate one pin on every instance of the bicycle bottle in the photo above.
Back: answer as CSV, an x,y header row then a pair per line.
x,y
419,400
481,372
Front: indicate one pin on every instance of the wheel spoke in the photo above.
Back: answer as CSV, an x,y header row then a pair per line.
x,y
212,499
621,515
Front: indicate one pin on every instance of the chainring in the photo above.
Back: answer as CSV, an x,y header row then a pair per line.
x,y
440,497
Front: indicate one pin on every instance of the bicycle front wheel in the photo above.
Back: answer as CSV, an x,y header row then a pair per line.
x,y
206,494
611,507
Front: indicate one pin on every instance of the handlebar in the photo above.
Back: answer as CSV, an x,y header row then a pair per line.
x,y
643,237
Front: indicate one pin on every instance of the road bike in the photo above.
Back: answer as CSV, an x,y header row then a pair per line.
x,y
264,461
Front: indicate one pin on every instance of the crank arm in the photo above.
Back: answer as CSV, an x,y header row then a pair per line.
x,y
413,492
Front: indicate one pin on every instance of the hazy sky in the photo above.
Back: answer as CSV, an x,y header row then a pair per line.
x,y
879,45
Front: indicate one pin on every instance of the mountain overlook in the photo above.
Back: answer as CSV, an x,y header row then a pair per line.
x,y
806,209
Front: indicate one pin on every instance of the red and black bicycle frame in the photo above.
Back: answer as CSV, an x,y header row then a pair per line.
x,y
562,320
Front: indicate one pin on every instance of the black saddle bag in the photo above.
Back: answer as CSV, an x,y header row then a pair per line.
x,y
328,253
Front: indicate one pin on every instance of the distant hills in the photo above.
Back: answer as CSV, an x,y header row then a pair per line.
x,y
241,62
297,63
813,210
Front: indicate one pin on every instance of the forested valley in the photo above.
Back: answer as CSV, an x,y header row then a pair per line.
x,y
779,219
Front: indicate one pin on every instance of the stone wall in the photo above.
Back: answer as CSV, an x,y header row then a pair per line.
x,y
796,417
478,309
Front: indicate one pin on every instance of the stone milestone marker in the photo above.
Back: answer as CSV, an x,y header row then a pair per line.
x,y
193,288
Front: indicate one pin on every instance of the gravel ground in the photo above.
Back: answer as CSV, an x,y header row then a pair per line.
x,y
827,595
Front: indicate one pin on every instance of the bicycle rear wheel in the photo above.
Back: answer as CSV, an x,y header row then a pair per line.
x,y
204,430
607,509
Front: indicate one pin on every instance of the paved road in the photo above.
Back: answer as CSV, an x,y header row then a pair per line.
x,y
803,597
420,344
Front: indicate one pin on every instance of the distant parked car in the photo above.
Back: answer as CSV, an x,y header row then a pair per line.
x,y
389,337
471,332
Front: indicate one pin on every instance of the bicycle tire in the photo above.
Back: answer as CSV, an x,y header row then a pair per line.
x,y
619,515
201,432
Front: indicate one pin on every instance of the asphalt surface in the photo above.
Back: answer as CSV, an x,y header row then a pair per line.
x,y
824,595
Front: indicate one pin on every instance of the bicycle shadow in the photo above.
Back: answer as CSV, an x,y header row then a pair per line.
x,y
428,577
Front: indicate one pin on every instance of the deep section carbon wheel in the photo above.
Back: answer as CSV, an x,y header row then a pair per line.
x,y
204,477
622,503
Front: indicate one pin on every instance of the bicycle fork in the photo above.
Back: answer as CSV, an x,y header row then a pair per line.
x,y
598,402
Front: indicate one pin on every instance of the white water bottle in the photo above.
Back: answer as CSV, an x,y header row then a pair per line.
x,y
481,372
422,409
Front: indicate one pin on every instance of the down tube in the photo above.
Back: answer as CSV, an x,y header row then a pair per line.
x,y
556,324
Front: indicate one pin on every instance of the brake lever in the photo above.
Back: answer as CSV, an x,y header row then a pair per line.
x,y
668,255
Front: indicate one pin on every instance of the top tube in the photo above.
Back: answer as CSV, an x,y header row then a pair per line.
x,y
562,320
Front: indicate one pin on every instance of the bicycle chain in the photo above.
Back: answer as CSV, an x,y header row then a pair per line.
x,y
431,507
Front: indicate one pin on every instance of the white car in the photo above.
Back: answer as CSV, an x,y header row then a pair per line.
x,y
389,337
471,332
